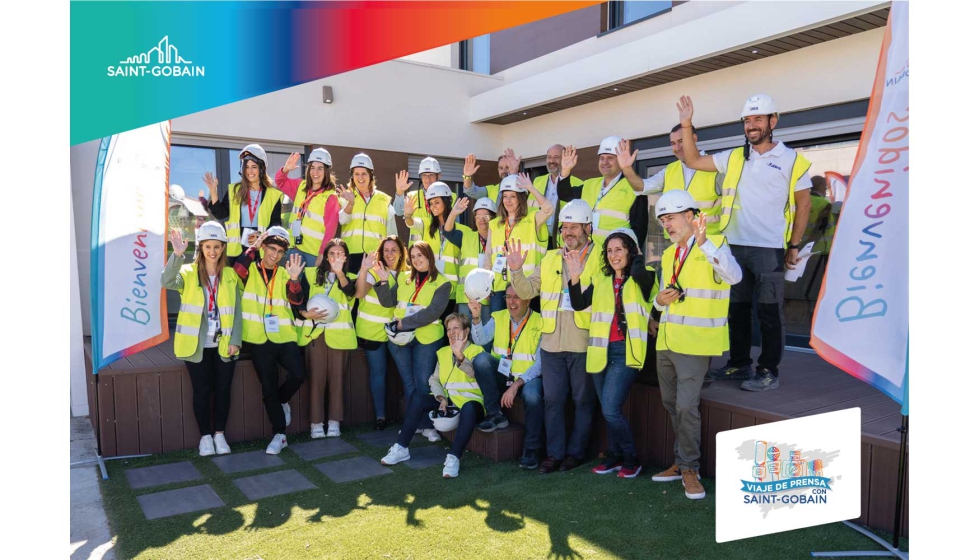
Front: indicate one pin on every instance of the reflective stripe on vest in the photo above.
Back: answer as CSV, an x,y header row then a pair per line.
x,y
233,228
447,255
193,301
460,388
552,288
613,209
701,188
698,326
255,306
312,227
527,344
637,312
421,211
372,316
531,242
736,162
368,224
341,330
406,288
469,261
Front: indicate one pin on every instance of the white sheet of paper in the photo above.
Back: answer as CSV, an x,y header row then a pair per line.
x,y
795,274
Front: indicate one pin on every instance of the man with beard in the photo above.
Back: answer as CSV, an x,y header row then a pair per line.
x,y
765,206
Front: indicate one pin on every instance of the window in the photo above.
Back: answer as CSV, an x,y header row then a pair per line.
x,y
625,13
474,54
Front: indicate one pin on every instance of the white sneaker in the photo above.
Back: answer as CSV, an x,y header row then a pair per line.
x,y
432,434
333,428
316,431
206,447
451,467
396,455
276,445
220,445
289,416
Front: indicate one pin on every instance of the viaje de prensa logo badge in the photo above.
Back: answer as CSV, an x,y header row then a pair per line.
x,y
163,60
784,476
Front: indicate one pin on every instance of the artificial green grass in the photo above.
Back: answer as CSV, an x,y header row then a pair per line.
x,y
491,511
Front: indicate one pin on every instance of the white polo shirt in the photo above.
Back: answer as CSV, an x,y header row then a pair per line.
x,y
757,218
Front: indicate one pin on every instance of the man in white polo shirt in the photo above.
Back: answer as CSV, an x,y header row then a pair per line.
x,y
765,206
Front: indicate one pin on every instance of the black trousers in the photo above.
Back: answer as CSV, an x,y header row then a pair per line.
x,y
469,416
762,281
212,376
267,358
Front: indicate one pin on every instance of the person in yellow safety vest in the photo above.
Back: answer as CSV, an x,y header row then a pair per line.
x,y
419,300
704,186
516,220
440,230
429,173
565,336
270,306
492,192
366,215
515,363
818,226
209,327
327,343
474,254
610,195
547,185
698,270
315,204
621,297
454,392
765,206
387,262
251,205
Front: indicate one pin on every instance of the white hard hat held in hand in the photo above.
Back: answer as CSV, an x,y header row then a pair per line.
x,y
322,302
478,284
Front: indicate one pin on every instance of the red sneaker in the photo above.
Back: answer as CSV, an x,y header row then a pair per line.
x,y
630,468
611,463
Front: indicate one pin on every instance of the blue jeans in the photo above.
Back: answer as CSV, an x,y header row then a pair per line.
x,y
377,361
492,383
416,363
308,259
561,373
613,387
469,416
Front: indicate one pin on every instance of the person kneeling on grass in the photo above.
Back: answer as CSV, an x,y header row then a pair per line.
x,y
452,384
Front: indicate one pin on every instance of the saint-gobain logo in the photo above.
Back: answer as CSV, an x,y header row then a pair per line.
x,y
161,60
782,475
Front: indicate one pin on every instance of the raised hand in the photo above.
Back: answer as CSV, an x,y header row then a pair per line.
x,y
469,165
212,182
461,205
291,163
259,239
701,229
337,265
475,308
410,205
575,265
569,158
623,155
457,343
515,258
295,265
513,162
402,183
685,110
368,261
348,195
524,181
177,242
380,269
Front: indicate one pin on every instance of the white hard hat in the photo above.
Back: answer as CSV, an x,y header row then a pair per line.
x,y
759,104
429,165
256,151
677,200
609,145
211,230
278,231
362,160
509,183
626,231
321,156
445,421
577,211
438,189
484,204
177,193
400,338
478,284
323,302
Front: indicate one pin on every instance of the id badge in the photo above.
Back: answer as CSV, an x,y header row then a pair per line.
x,y
441,266
271,323
505,365
412,309
482,259
500,264
214,328
566,301
297,228
595,220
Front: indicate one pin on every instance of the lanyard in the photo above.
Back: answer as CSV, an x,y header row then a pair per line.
x,y
483,243
678,268
516,334
618,294
253,210
418,287
212,290
269,287
508,228
310,195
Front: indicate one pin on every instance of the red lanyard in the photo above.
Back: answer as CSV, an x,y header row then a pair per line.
x,y
516,334
678,268
253,210
418,287
618,294
483,243
212,289
270,287
310,195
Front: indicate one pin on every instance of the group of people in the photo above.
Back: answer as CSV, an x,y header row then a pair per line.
x,y
547,295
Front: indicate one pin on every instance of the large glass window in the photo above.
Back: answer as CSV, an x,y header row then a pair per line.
x,y
474,54
625,13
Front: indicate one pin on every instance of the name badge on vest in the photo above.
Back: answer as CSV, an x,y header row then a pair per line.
x,y
505,366
271,323
214,329
412,309
441,266
482,260
595,220
500,265
566,301
296,230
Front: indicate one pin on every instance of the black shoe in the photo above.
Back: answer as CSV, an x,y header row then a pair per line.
x,y
493,422
380,424
550,465
569,463
763,381
529,460
731,373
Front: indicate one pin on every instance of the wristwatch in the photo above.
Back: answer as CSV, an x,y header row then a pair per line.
x,y
792,246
